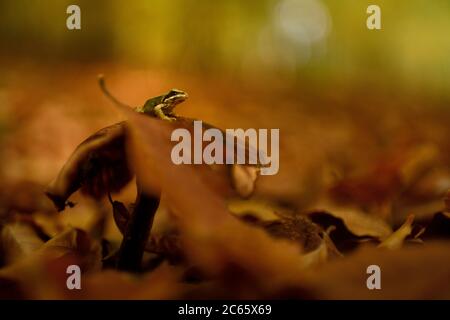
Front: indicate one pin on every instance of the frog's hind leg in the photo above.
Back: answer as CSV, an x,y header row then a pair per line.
x,y
160,113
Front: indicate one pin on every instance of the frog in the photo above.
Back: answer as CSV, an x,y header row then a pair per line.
x,y
162,106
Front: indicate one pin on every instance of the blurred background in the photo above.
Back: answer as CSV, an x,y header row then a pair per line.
x,y
341,94
309,40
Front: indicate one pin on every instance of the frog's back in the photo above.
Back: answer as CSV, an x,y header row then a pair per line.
x,y
150,104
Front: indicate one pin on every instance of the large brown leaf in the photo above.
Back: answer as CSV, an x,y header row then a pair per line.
x,y
215,241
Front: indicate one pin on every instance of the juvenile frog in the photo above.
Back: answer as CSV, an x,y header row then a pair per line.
x,y
162,106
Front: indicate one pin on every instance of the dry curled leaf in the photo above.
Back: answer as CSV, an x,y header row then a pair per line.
x,y
396,239
256,209
75,242
244,179
358,222
97,166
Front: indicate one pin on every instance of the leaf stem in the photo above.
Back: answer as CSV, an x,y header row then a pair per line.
x,y
137,232
102,84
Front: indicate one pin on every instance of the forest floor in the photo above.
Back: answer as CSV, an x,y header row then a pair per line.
x,y
363,180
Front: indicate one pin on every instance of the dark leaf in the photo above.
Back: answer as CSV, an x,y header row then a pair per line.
x,y
98,166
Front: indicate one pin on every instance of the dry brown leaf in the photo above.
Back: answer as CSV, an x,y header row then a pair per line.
x,y
244,179
87,215
323,252
47,265
258,209
78,242
212,238
98,166
395,240
358,222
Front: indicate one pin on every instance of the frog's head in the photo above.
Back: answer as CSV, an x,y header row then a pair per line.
x,y
173,98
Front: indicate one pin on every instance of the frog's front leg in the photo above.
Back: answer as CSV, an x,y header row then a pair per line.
x,y
160,113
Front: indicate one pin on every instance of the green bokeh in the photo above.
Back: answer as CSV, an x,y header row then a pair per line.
x,y
239,37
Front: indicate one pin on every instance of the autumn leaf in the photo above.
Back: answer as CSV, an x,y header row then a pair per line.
x,y
97,166
396,239
357,222
211,237
244,179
